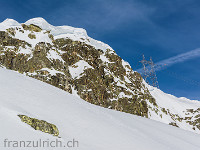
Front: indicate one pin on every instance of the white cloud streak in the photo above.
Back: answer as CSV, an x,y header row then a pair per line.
x,y
174,60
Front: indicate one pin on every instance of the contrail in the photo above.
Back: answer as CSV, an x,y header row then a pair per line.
x,y
174,60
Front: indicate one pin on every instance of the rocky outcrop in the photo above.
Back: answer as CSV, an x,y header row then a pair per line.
x,y
106,82
40,125
193,118
97,75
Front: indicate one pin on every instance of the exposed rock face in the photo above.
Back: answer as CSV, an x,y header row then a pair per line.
x,y
105,79
31,27
97,75
173,124
40,125
193,118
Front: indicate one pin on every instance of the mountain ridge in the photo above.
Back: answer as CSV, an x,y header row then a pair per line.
x,y
67,58
57,31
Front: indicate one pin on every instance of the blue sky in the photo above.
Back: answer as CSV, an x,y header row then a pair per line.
x,y
160,29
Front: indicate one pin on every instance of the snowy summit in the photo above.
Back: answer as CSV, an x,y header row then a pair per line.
x,y
72,86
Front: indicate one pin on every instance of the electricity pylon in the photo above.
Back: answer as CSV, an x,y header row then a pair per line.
x,y
149,73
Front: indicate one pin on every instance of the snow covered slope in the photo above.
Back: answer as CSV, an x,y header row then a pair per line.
x,y
93,126
175,111
69,59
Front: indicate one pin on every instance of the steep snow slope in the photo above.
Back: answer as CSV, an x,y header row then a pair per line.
x,y
93,126
68,58
176,109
